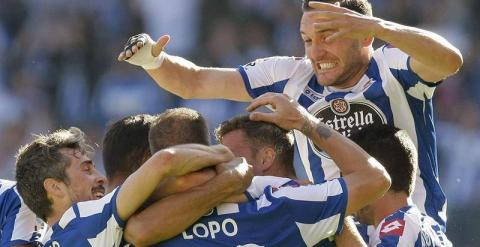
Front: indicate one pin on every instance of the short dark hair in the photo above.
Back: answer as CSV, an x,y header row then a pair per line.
x,y
394,149
177,126
261,134
360,6
42,159
125,145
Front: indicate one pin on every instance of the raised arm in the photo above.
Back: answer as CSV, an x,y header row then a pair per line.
x,y
433,58
174,161
172,215
180,76
366,179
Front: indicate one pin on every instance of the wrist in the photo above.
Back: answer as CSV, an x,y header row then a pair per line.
x,y
308,125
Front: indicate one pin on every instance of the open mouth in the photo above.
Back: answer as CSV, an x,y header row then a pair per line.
x,y
325,66
98,192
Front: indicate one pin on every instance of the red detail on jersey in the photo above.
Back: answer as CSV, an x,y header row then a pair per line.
x,y
392,228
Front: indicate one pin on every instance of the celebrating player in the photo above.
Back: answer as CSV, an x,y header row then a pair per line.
x,y
398,222
310,213
342,81
61,183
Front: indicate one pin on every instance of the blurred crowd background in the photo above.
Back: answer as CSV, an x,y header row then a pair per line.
x,y
58,68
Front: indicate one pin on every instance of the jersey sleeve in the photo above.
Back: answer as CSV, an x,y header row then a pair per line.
x,y
318,210
398,63
259,183
20,225
268,74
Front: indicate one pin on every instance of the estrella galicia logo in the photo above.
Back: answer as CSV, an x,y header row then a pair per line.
x,y
348,117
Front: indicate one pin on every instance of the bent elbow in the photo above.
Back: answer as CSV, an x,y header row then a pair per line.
x,y
455,62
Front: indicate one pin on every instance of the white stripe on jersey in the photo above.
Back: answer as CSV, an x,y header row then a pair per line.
x,y
313,233
110,236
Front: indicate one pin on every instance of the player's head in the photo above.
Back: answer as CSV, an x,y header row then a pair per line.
x,y
57,169
340,62
394,149
126,147
177,126
265,146
360,6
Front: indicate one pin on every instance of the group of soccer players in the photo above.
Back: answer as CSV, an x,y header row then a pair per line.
x,y
168,186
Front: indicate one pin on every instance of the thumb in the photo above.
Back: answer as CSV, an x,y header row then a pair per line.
x,y
160,45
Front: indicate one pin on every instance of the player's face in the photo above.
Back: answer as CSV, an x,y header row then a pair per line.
x,y
339,63
237,142
85,182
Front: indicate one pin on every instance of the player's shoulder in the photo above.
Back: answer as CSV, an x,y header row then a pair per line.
x,y
6,184
278,62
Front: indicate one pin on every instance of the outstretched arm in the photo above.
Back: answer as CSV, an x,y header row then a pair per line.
x,y
180,76
172,215
433,58
366,179
174,161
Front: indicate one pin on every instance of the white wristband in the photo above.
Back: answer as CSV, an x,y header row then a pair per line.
x,y
157,61
143,57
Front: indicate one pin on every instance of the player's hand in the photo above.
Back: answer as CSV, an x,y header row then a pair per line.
x,y
140,48
237,172
338,22
183,159
287,113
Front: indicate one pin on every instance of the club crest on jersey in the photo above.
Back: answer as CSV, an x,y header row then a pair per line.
x,y
348,117
340,106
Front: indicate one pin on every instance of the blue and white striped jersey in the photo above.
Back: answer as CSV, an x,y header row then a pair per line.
x,y
92,223
388,93
288,215
18,224
409,227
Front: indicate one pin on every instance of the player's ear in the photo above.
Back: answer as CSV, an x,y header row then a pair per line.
x,y
367,41
53,187
267,156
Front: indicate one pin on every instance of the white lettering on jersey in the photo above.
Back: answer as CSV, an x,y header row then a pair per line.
x,y
228,227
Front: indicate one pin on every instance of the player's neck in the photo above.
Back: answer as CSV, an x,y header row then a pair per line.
x,y
57,213
388,204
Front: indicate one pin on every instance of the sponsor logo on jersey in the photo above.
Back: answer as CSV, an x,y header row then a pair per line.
x,y
348,117
392,228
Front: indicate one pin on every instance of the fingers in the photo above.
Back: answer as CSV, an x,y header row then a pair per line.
x,y
327,6
335,36
325,26
265,99
160,45
130,51
262,116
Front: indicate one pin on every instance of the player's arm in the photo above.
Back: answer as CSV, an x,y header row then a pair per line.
x,y
433,58
180,76
174,161
366,179
172,215
349,235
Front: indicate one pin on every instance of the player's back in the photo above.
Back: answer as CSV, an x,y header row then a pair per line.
x,y
409,227
18,224
285,216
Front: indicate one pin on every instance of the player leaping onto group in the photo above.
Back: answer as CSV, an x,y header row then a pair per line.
x,y
341,80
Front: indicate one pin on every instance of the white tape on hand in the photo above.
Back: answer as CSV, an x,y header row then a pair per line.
x,y
143,57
